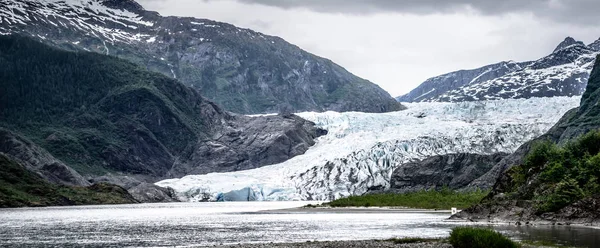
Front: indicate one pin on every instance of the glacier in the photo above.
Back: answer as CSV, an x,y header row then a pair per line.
x,y
361,150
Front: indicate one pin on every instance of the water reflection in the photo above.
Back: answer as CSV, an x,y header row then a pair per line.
x,y
566,235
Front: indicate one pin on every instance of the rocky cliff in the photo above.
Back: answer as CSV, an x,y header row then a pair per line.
x,y
241,70
452,171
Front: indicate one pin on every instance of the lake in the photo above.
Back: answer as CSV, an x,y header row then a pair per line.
x,y
215,223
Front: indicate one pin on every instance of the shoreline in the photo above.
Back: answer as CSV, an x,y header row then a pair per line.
x,y
357,209
458,222
530,223
344,244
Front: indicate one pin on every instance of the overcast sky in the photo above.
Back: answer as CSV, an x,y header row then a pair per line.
x,y
400,43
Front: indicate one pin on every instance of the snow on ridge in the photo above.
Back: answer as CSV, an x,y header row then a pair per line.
x,y
562,73
362,149
88,16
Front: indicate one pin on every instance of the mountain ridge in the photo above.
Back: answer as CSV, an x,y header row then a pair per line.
x,y
242,70
562,73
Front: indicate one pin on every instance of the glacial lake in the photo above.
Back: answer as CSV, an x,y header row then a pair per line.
x,y
216,223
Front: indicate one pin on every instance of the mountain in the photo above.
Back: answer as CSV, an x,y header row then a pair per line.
x,y
562,73
76,116
241,70
553,179
437,86
361,151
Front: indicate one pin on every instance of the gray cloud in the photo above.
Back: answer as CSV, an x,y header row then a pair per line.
x,y
571,11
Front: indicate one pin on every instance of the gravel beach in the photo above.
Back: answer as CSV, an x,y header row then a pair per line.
x,y
344,244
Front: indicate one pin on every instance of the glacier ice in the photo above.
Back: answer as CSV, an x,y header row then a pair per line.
x,y
362,149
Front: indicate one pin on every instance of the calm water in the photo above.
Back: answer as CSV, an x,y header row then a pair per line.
x,y
206,224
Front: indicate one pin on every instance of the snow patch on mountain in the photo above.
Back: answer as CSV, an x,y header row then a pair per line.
x,y
361,150
562,73
91,17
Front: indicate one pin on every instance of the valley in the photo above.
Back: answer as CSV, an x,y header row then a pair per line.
x,y
121,126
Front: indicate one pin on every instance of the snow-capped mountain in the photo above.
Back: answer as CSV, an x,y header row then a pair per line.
x,y
563,73
436,86
242,70
361,150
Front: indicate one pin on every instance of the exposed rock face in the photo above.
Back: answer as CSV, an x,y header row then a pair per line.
x,y
140,190
38,160
250,142
569,41
106,116
241,70
563,73
499,205
454,171
149,193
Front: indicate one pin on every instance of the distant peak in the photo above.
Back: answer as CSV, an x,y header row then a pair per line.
x,y
595,45
569,41
129,5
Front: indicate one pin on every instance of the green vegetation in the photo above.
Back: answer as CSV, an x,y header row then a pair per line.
x,y
98,113
470,237
443,199
20,188
559,176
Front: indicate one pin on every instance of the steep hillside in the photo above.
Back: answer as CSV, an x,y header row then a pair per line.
x,y
19,188
562,73
101,115
550,182
241,70
38,160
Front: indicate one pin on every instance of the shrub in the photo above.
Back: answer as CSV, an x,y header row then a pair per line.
x,y
566,173
565,192
470,237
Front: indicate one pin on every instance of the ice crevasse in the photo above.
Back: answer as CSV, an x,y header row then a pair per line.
x,y
361,150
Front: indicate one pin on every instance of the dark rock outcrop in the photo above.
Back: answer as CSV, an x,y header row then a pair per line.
x,y
241,70
248,143
453,171
150,193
